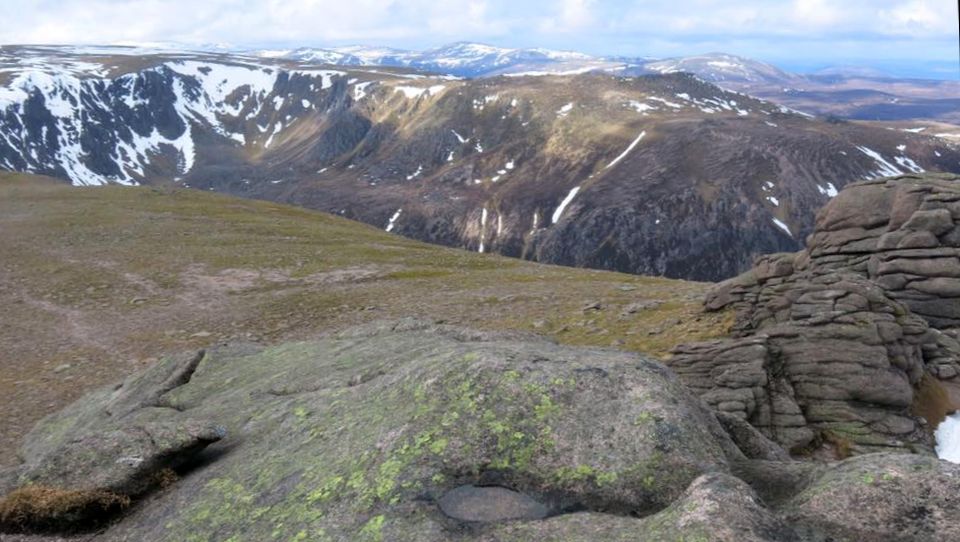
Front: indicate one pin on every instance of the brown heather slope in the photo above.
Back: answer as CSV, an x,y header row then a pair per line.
x,y
98,282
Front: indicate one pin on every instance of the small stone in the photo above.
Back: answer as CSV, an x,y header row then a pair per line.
x,y
640,306
62,368
936,221
201,334
490,504
947,372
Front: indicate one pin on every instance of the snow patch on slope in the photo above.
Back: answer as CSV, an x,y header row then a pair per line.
x,y
626,152
948,439
393,220
563,204
780,224
886,168
830,191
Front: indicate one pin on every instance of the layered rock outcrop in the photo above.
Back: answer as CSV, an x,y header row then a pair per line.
x,y
903,234
833,344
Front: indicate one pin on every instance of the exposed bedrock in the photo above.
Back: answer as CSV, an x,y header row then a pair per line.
x,y
399,431
407,431
850,344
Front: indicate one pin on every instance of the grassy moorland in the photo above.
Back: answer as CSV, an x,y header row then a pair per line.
x,y
97,282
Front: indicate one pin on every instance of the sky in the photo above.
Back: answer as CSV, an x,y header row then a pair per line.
x,y
903,37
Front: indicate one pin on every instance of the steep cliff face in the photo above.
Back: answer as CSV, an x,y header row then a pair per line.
x,y
663,175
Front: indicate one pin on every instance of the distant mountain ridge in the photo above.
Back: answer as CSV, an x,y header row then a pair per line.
x,y
461,59
721,68
845,91
664,174
848,92
467,59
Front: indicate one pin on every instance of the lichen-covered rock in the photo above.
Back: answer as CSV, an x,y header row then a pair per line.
x,y
8,479
405,431
880,498
359,436
120,460
718,507
831,344
107,409
90,463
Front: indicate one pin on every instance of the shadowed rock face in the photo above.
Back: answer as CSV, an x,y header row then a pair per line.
x,y
829,344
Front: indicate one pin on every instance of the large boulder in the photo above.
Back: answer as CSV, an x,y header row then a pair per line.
x,y
870,498
880,498
92,463
120,459
376,433
835,347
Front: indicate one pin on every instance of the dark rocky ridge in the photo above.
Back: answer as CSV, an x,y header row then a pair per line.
x,y
696,198
845,341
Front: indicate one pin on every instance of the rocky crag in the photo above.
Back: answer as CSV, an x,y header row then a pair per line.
x,y
411,431
852,343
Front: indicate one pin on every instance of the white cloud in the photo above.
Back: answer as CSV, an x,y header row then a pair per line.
x,y
567,16
817,13
838,19
237,21
920,16
577,13
783,27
